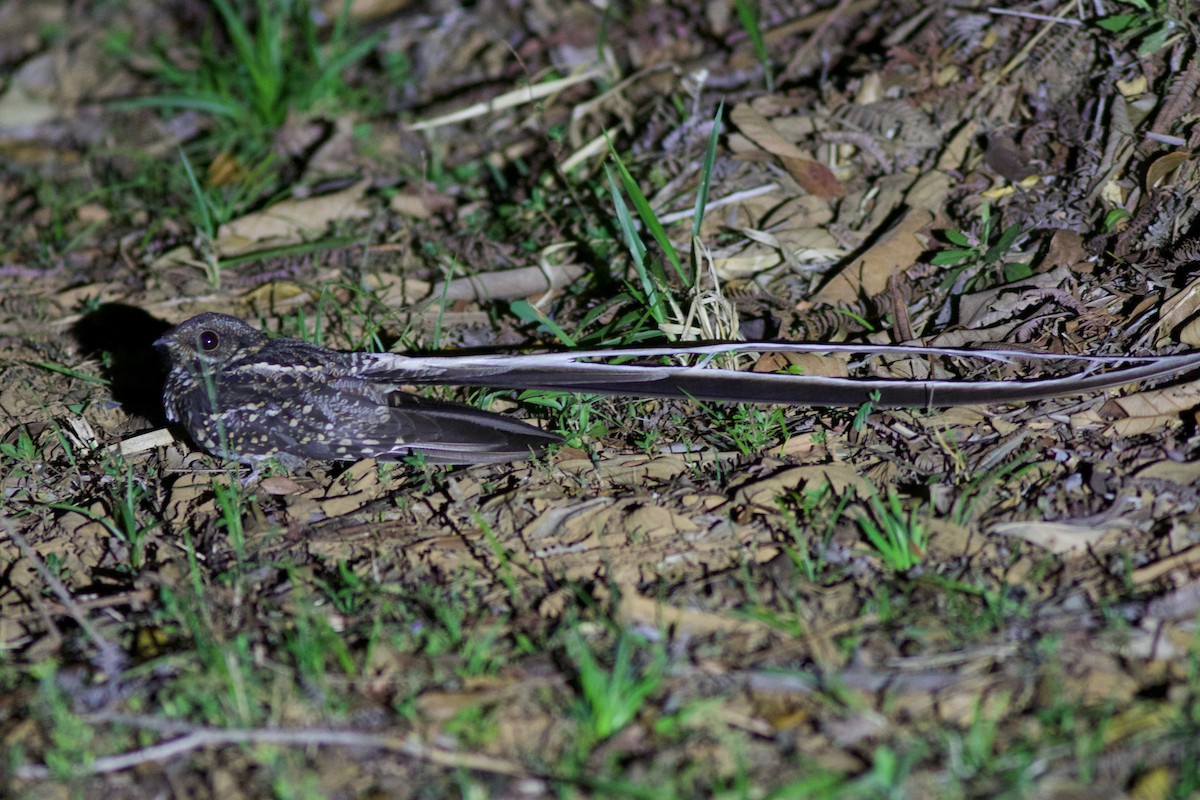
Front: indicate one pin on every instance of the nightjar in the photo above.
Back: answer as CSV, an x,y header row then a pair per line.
x,y
246,397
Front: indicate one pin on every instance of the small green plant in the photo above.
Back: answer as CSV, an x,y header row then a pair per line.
x,y
1151,24
652,295
446,623
228,495
258,65
276,64
122,515
889,771
21,457
580,416
750,428
474,726
863,413
812,514
611,698
71,739
748,15
978,252
314,645
974,752
899,538
651,291
973,498
1114,218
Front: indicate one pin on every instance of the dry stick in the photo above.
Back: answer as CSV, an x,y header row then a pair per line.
x,y
793,65
301,737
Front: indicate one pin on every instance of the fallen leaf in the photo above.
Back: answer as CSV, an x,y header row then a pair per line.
x,y
291,221
867,275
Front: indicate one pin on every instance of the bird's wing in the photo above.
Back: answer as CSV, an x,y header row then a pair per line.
x,y
451,433
351,418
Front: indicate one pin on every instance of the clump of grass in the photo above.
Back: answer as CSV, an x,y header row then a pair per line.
x,y
899,538
255,69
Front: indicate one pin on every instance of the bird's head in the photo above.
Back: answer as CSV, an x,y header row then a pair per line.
x,y
210,338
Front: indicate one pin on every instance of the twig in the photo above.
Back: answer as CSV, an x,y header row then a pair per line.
x,y
795,63
1031,15
297,737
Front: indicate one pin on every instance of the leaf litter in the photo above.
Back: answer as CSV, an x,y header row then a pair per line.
x,y
1044,644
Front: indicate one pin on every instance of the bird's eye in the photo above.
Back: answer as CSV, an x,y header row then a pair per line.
x,y
209,340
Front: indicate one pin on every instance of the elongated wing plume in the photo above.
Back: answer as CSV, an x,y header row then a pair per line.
x,y
592,371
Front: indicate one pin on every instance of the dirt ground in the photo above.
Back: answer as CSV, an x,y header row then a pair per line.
x,y
684,599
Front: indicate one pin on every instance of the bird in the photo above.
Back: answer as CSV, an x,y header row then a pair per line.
x,y
246,397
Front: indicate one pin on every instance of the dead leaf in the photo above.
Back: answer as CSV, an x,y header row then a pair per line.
x,y
291,221
895,251
834,365
1184,473
1147,411
1059,537
1179,317
1161,168
421,205
766,492
813,176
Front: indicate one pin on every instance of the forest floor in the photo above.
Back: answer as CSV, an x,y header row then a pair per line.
x,y
684,599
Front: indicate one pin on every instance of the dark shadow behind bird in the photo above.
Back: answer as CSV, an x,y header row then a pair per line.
x,y
122,338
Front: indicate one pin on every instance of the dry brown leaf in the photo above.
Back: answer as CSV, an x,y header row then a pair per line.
x,y
1059,537
759,130
1185,473
834,365
509,284
1066,249
1153,784
341,505
1145,411
813,176
1178,318
631,468
275,295
363,10
1003,304
1185,560
189,498
655,521
931,189
635,608
291,221
948,540
1161,168
801,245
868,275
421,205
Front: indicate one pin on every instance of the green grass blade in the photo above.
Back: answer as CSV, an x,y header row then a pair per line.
x,y
637,251
710,158
648,217
206,220
525,311
748,16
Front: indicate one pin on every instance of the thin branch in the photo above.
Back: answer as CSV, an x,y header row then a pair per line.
x,y
199,738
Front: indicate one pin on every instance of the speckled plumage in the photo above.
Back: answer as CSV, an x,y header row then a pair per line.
x,y
247,397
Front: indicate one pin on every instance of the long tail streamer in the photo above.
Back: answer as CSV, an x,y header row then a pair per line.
x,y
592,371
